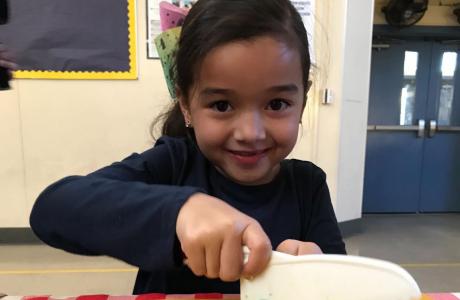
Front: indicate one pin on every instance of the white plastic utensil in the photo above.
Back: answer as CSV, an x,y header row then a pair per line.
x,y
331,277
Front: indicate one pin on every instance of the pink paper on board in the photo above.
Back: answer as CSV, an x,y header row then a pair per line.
x,y
171,16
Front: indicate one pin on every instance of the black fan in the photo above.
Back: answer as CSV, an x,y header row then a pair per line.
x,y
404,13
457,13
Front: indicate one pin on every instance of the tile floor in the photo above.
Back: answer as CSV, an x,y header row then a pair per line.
x,y
428,246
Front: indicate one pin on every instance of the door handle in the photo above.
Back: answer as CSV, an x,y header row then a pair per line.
x,y
447,128
421,128
432,129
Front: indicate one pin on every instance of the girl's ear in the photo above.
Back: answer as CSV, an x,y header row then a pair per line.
x,y
184,108
180,99
309,84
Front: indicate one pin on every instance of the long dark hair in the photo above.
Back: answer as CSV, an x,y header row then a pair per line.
x,y
212,23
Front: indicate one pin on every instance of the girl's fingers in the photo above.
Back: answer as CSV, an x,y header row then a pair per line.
x,y
231,257
295,247
8,65
196,260
6,59
309,248
289,247
212,233
258,243
213,259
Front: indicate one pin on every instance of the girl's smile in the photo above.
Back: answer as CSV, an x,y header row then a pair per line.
x,y
245,107
248,158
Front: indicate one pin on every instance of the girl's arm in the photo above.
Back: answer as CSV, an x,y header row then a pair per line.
x,y
132,210
7,60
122,211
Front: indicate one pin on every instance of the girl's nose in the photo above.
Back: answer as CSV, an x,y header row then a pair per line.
x,y
249,127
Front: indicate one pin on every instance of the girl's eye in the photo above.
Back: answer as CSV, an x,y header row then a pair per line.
x,y
278,104
221,106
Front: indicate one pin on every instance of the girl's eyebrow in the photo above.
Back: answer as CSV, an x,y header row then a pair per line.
x,y
290,88
212,91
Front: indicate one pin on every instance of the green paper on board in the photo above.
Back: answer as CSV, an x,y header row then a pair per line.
x,y
166,44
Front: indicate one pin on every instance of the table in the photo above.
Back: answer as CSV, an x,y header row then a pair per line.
x,y
430,296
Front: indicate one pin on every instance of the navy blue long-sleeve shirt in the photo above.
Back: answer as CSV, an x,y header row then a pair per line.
x,y
129,209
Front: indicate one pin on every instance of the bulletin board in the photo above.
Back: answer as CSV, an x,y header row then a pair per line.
x,y
153,22
72,39
306,9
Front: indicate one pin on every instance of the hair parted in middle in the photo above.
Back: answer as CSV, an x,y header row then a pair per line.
x,y
213,23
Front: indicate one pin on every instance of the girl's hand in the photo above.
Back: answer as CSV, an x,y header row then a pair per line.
x,y
6,61
212,233
295,247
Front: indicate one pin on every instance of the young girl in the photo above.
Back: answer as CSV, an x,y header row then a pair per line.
x,y
218,178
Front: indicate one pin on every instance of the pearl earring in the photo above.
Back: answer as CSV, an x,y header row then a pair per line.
x,y
188,124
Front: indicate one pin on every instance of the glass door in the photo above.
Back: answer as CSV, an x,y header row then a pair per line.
x,y
413,142
440,187
400,73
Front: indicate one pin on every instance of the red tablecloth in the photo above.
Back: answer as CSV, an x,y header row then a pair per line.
x,y
431,296
140,297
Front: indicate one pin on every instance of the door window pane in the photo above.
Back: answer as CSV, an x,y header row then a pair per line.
x,y
448,67
408,89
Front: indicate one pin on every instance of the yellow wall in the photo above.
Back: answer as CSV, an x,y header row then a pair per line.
x,y
344,40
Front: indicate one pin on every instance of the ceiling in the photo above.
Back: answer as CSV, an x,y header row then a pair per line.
x,y
431,2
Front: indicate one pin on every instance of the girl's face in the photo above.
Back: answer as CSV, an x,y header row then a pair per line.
x,y
245,107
